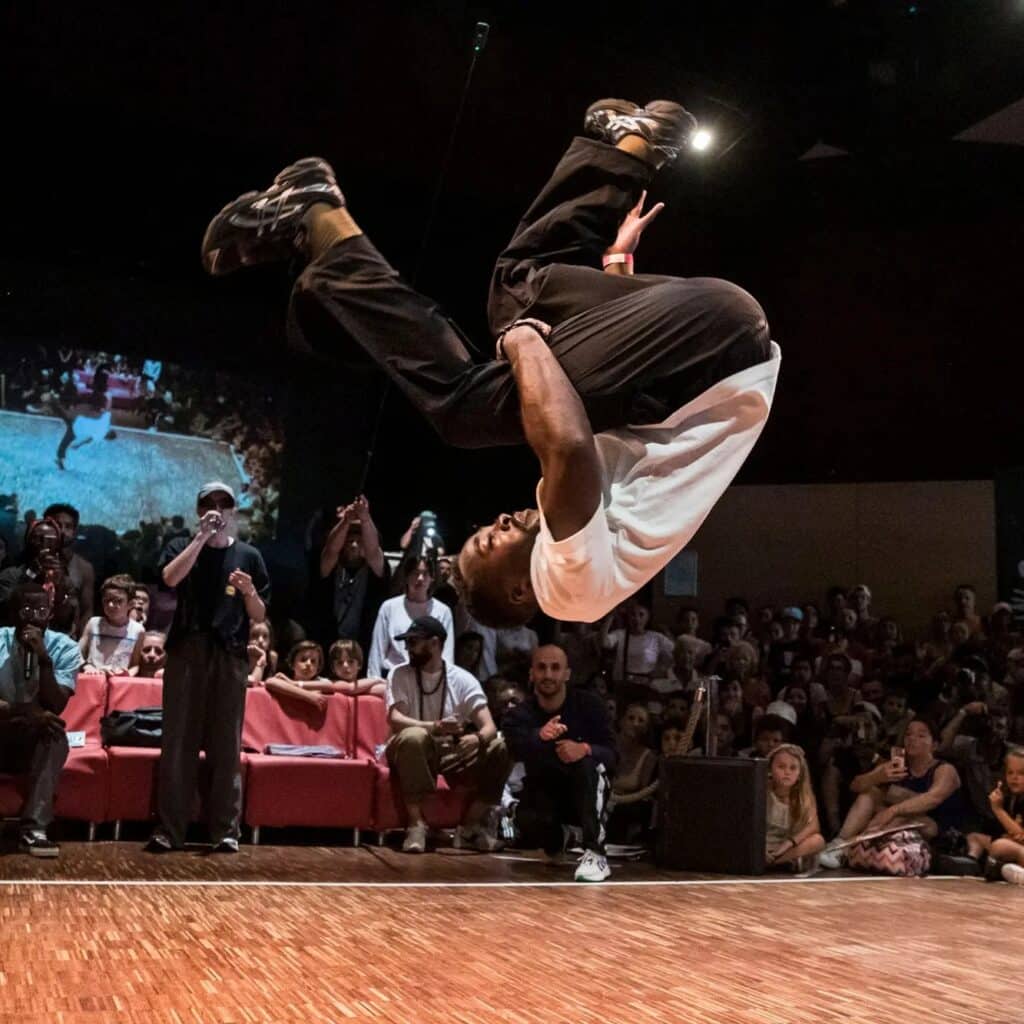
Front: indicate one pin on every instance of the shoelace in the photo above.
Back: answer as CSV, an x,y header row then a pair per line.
x,y
273,210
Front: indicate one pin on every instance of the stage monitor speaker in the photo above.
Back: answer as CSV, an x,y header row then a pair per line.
x,y
711,814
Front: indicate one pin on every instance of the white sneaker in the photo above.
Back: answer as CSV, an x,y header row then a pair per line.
x,y
1013,873
415,839
832,859
593,867
476,838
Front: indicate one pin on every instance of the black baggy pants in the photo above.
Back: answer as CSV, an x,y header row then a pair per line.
x,y
203,702
571,794
636,348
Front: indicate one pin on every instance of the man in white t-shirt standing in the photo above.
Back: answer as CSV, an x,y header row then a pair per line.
x,y
440,725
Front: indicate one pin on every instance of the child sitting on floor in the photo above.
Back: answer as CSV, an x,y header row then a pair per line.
x,y
792,830
1007,803
262,656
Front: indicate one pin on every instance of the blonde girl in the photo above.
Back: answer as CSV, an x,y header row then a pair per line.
x,y
792,830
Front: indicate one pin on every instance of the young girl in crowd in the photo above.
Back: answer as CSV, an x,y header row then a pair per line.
x,y
150,655
632,789
1007,803
262,656
793,831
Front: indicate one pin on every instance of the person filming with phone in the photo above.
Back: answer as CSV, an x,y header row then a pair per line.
x,y
222,586
913,788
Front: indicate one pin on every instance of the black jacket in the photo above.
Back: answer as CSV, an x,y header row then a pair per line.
x,y
583,713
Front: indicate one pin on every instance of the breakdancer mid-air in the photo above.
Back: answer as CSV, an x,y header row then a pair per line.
x,y
641,395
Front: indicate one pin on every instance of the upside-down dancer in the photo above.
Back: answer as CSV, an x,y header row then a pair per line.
x,y
641,399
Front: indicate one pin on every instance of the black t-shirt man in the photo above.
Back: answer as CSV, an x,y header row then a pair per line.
x,y
207,602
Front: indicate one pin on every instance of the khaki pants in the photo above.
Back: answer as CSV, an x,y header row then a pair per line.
x,y
417,758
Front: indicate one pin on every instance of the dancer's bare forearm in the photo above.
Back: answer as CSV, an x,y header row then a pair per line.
x,y
558,431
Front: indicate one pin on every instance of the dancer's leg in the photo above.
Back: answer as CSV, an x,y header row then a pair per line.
x,y
634,359
552,265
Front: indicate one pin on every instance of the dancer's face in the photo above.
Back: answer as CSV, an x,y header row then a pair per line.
x,y
503,550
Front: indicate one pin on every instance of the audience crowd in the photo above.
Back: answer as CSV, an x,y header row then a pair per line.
x,y
560,730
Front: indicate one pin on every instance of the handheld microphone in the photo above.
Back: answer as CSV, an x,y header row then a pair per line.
x,y
30,663
480,36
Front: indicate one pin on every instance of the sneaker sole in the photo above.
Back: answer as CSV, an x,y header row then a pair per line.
x,y
43,854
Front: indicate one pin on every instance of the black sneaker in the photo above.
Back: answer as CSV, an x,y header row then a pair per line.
x,y
35,844
263,227
227,845
158,843
664,125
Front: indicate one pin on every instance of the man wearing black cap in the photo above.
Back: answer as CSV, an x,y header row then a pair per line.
x,y
440,724
222,586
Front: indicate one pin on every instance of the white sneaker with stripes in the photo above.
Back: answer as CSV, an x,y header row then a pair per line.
x,y
593,867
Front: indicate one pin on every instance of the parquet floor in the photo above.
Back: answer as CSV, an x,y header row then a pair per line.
x,y
107,933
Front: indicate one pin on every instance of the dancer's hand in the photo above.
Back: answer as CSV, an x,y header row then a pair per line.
x,y
525,331
632,227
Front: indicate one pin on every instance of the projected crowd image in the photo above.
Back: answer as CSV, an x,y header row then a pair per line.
x,y
127,440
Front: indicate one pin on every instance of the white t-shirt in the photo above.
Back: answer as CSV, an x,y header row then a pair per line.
x,y
110,647
642,653
659,484
393,619
462,694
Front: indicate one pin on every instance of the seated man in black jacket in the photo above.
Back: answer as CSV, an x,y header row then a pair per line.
x,y
564,739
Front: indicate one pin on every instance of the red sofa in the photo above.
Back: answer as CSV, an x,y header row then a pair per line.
x,y
311,791
356,791
83,789
133,769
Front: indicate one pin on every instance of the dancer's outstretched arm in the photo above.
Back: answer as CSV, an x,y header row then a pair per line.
x,y
558,431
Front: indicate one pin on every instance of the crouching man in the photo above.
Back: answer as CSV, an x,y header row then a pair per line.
x,y
38,668
563,737
440,725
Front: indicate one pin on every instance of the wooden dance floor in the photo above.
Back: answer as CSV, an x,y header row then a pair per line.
x,y
315,934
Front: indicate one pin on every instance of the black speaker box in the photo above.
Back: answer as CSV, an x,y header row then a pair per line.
x,y
711,814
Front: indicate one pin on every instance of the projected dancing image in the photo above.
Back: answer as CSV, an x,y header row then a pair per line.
x,y
124,437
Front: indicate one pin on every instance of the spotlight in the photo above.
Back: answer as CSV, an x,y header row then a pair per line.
x,y
701,140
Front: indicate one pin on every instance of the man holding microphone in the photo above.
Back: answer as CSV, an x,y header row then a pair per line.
x,y
38,668
222,586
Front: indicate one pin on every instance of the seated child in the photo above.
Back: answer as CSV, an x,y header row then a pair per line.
x,y
150,655
108,640
303,679
262,656
792,830
346,658
1007,803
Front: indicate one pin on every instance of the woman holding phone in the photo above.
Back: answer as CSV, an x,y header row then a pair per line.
x,y
917,790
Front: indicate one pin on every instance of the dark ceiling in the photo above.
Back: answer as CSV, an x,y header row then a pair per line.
x,y
889,275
